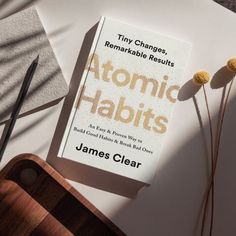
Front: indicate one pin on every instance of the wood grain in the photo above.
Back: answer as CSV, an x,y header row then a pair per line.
x,y
57,197
21,215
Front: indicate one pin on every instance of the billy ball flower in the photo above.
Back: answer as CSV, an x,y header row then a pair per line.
x,y
201,77
231,64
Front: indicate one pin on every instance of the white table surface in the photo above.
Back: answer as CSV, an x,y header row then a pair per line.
x,y
170,206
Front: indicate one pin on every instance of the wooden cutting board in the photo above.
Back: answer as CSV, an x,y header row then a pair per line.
x,y
37,200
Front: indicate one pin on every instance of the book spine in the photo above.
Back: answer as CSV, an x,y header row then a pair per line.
x,y
73,110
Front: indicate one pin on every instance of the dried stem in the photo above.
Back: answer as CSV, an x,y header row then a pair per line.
x,y
212,166
219,139
211,183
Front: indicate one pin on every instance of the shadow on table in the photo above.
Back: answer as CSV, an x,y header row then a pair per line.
x,y
9,7
178,190
28,46
10,67
10,64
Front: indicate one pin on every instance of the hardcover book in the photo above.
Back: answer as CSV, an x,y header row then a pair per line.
x,y
125,98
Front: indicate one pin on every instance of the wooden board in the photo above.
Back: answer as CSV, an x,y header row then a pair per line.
x,y
36,200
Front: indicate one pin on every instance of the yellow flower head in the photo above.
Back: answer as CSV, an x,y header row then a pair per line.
x,y
231,64
201,77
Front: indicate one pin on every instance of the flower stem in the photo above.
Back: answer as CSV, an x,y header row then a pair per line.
x,y
212,166
212,178
219,139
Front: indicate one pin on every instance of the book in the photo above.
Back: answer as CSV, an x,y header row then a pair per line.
x,y
125,99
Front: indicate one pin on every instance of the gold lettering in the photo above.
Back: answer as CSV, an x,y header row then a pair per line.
x,y
95,60
161,128
92,100
107,68
144,84
126,77
163,87
138,115
106,111
121,108
169,92
148,115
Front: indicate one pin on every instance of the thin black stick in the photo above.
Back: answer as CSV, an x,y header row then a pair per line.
x,y
19,102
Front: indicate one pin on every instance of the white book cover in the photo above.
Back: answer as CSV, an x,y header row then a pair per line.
x,y
125,99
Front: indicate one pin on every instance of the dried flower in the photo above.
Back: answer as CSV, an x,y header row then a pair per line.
x,y
231,64
201,77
